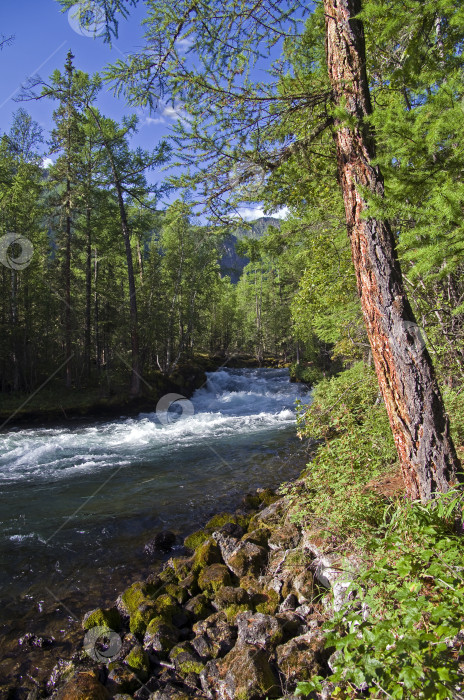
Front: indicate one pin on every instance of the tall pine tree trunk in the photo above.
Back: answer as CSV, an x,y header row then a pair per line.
x,y
404,368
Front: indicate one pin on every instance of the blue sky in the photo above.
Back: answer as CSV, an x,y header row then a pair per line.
x,y
43,34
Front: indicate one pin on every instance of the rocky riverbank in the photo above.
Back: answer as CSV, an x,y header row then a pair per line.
x,y
237,618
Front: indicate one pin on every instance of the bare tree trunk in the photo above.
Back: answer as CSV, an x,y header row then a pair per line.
x,y
404,368
67,284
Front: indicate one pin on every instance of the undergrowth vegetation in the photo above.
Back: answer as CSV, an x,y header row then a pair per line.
x,y
401,633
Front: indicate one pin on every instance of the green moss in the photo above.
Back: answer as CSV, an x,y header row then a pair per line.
x,y
232,610
258,536
141,617
206,554
186,667
178,593
213,577
102,618
168,575
181,567
267,496
198,607
134,596
251,501
269,602
195,539
165,606
221,519
138,661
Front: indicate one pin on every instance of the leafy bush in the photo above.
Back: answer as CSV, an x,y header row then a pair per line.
x,y
403,638
357,448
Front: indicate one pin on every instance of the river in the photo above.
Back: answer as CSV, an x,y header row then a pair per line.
x,y
80,501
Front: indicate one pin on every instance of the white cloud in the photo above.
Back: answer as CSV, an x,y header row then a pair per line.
x,y
164,114
249,214
46,162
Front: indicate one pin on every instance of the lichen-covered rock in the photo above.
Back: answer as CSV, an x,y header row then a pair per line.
x,y
286,537
259,630
241,557
259,536
185,659
228,595
170,693
102,618
302,657
266,602
215,636
303,586
214,577
198,607
84,686
138,661
244,674
160,636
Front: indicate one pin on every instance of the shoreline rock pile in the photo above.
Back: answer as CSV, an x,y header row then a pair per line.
x,y
234,620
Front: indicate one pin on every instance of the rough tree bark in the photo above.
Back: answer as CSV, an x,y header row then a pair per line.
x,y
404,368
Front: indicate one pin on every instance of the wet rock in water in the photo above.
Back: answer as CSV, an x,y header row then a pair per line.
x,y
244,673
259,630
35,641
162,542
61,673
302,657
84,686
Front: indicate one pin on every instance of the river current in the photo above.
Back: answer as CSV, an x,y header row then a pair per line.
x,y
79,502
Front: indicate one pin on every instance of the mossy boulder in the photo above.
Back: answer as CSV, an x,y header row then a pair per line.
x,y
198,607
206,554
190,584
160,636
181,567
233,610
266,602
214,577
259,536
267,496
244,674
141,617
302,657
102,618
221,519
195,539
229,595
138,661
134,596
177,593
247,558
251,501
165,606
185,659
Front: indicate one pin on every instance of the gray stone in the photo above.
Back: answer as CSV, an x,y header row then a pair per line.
x,y
258,629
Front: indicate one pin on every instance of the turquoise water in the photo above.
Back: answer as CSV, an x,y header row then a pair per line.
x,y
79,503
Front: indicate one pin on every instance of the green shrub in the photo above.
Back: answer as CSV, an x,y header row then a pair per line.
x,y
402,639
